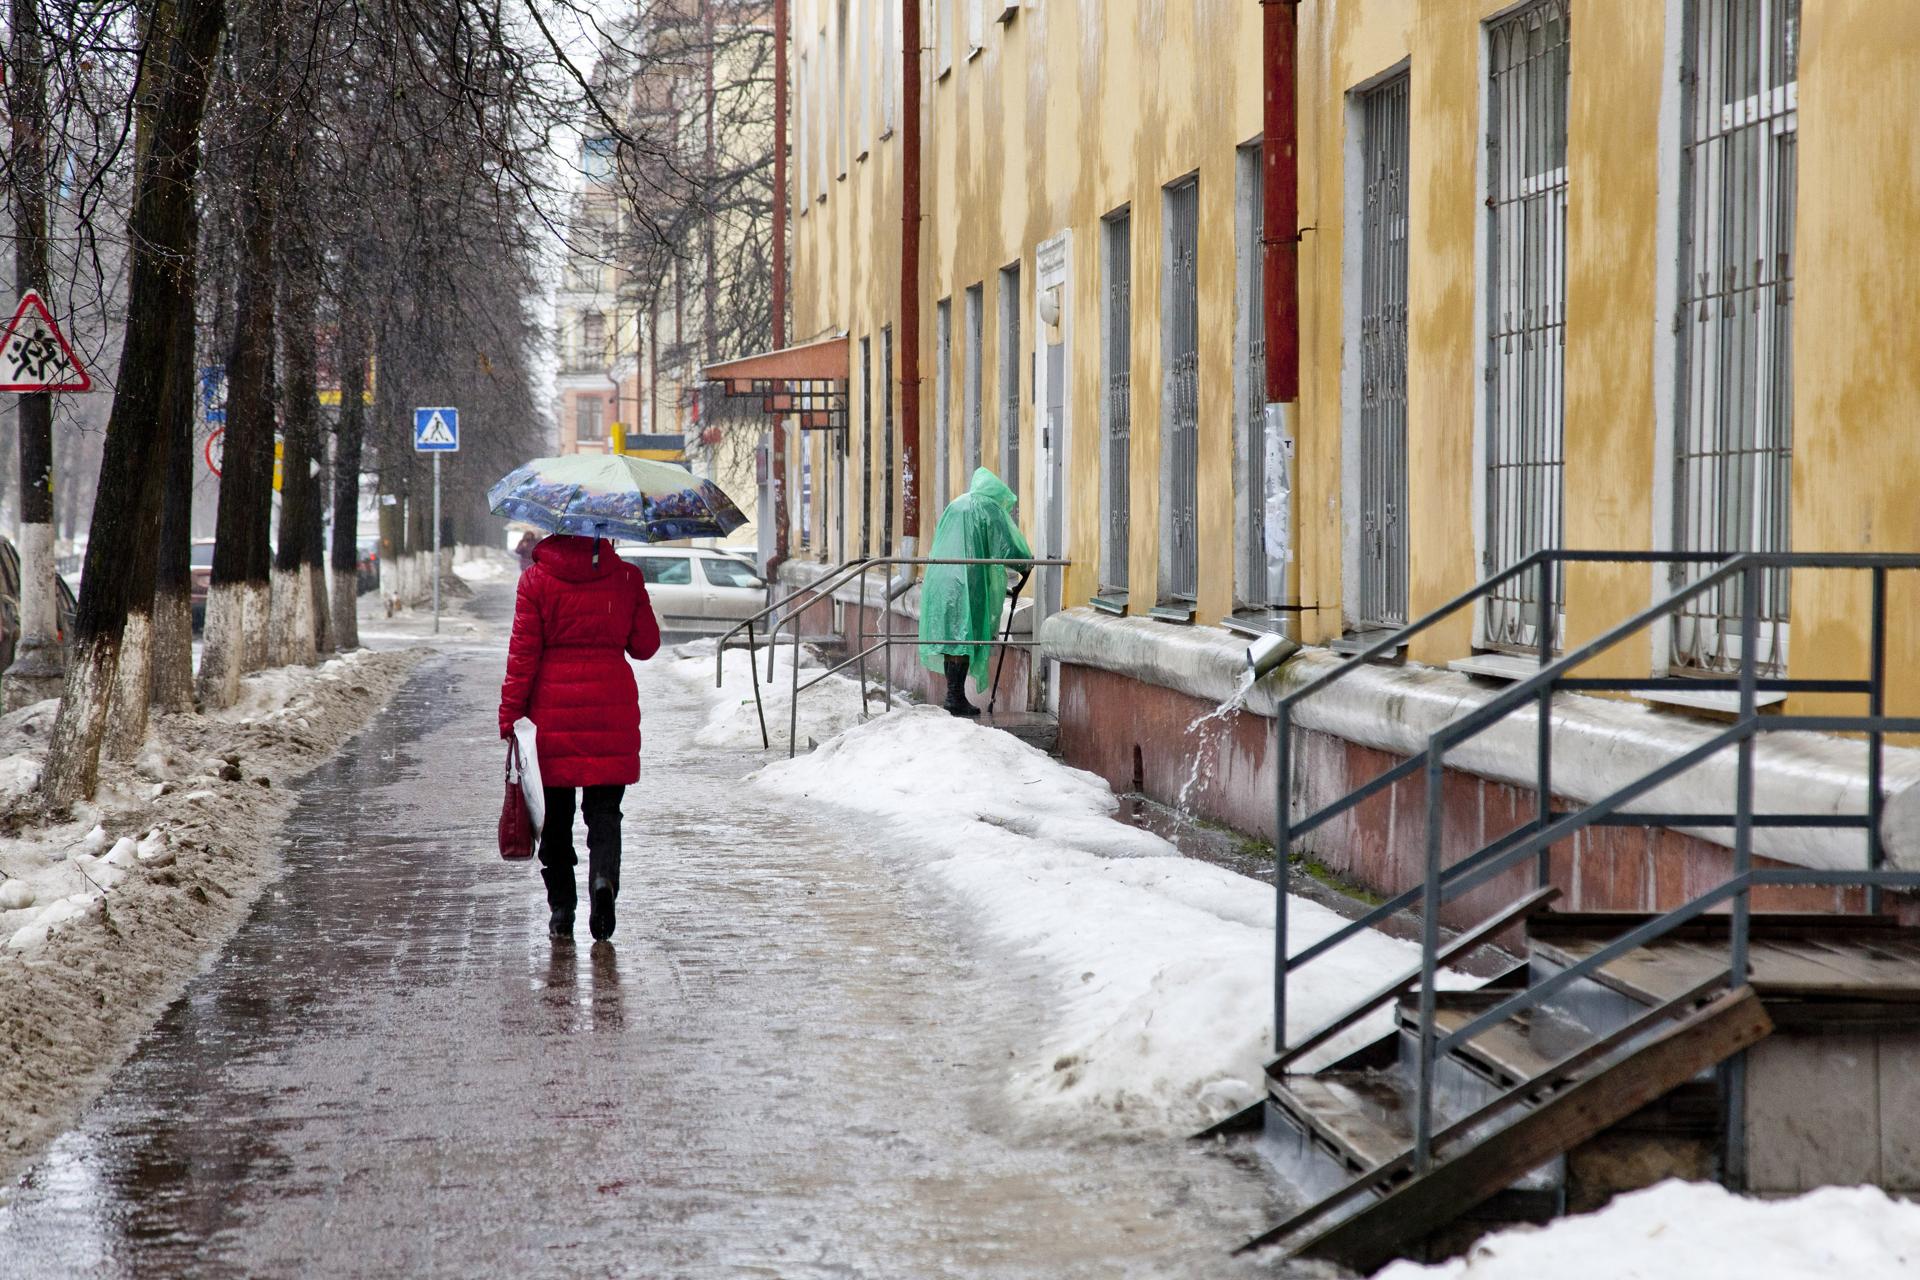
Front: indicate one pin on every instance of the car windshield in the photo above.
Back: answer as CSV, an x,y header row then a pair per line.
x,y
666,571
202,555
730,573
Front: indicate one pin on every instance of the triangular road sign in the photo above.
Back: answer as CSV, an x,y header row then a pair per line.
x,y
34,354
436,431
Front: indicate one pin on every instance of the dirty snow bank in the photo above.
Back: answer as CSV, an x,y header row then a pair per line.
x,y
829,708
1161,966
106,911
1698,1231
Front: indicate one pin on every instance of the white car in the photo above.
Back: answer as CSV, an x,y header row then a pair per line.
x,y
697,590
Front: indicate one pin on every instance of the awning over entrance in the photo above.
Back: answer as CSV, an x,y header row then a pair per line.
x,y
809,380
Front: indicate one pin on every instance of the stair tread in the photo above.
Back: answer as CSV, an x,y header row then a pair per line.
x,y
1883,969
1362,1112
1520,1049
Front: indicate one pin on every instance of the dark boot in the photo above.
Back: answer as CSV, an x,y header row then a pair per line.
x,y
602,808
957,704
557,860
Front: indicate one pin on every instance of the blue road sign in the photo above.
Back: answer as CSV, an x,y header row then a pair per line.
x,y
436,430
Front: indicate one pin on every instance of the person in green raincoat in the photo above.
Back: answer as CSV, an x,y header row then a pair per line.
x,y
962,602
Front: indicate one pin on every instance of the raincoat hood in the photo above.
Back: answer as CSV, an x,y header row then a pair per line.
x,y
990,486
571,559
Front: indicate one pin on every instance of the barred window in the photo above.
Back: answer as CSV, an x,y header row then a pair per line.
x,y
1180,411
1010,376
1526,311
942,402
970,410
1734,324
1383,358
1117,357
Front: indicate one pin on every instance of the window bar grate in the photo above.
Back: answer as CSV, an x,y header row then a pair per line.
x,y
1526,334
1734,320
1010,376
1183,402
1257,592
1118,487
1383,358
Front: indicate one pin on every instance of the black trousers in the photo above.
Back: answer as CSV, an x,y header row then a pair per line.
x,y
557,859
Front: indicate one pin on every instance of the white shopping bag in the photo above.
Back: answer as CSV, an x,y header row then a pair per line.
x,y
523,735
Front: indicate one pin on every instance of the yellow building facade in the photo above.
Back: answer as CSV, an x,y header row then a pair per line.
x,y
1046,120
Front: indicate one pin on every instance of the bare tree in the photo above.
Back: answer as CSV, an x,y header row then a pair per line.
x,y
180,38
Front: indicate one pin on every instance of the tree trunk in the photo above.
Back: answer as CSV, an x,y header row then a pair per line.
x,y
293,621
180,42
39,661
173,581
346,486
235,632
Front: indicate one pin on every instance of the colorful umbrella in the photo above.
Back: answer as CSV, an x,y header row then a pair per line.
x,y
600,495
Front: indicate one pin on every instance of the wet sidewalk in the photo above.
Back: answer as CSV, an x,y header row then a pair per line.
x,y
786,1065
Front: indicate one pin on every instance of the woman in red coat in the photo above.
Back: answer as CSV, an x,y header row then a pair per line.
x,y
582,611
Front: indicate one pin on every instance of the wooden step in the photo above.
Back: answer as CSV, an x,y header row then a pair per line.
x,y
1360,1115
1508,1050
1465,1176
1880,965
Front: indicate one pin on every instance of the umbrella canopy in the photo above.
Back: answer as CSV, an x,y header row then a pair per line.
x,y
604,495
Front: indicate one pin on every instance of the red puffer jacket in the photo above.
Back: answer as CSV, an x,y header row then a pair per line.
x,y
574,625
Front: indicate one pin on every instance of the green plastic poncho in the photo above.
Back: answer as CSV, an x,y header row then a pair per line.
x,y
962,602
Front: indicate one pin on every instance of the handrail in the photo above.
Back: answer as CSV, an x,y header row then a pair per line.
x,y
1534,836
823,588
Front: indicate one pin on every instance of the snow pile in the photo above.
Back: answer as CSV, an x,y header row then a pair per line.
x,y
485,564
106,910
830,707
1701,1232
1161,966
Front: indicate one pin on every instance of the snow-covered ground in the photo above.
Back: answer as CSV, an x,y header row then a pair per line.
x,y
830,708
1697,1231
105,910
1160,967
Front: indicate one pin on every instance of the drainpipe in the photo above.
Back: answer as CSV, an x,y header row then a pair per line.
x,y
1280,188
910,272
779,460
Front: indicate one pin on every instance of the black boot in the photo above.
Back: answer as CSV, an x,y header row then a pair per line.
x,y
561,899
602,807
957,704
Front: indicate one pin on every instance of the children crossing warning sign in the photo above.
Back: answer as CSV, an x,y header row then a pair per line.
x,y
35,355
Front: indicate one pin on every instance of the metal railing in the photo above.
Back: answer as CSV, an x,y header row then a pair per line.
x,y
789,609
1535,836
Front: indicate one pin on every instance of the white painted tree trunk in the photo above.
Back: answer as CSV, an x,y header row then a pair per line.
x,y
173,652
39,660
291,625
72,770
256,619
126,731
223,646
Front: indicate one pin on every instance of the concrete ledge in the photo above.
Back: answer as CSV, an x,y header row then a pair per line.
x,y
1599,744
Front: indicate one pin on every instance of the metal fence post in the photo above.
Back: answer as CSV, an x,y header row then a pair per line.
x,y
1429,955
1282,866
1876,707
1543,773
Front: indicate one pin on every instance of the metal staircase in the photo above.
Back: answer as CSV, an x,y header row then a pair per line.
x,y
1476,1095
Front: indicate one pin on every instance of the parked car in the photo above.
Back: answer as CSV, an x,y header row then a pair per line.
x,y
10,603
202,579
698,590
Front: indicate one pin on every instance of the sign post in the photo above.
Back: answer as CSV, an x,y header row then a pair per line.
x,y
436,431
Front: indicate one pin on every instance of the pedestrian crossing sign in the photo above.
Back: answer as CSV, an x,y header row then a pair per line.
x,y
35,355
436,430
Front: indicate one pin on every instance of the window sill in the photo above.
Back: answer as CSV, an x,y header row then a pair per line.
x,y
1496,666
1178,612
1256,622
1355,643
1113,602
1714,701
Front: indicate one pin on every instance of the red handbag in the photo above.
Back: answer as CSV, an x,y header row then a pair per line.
x,y
516,824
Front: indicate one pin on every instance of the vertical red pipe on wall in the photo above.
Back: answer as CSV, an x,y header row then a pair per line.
x,y
778,463
910,266
1281,191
